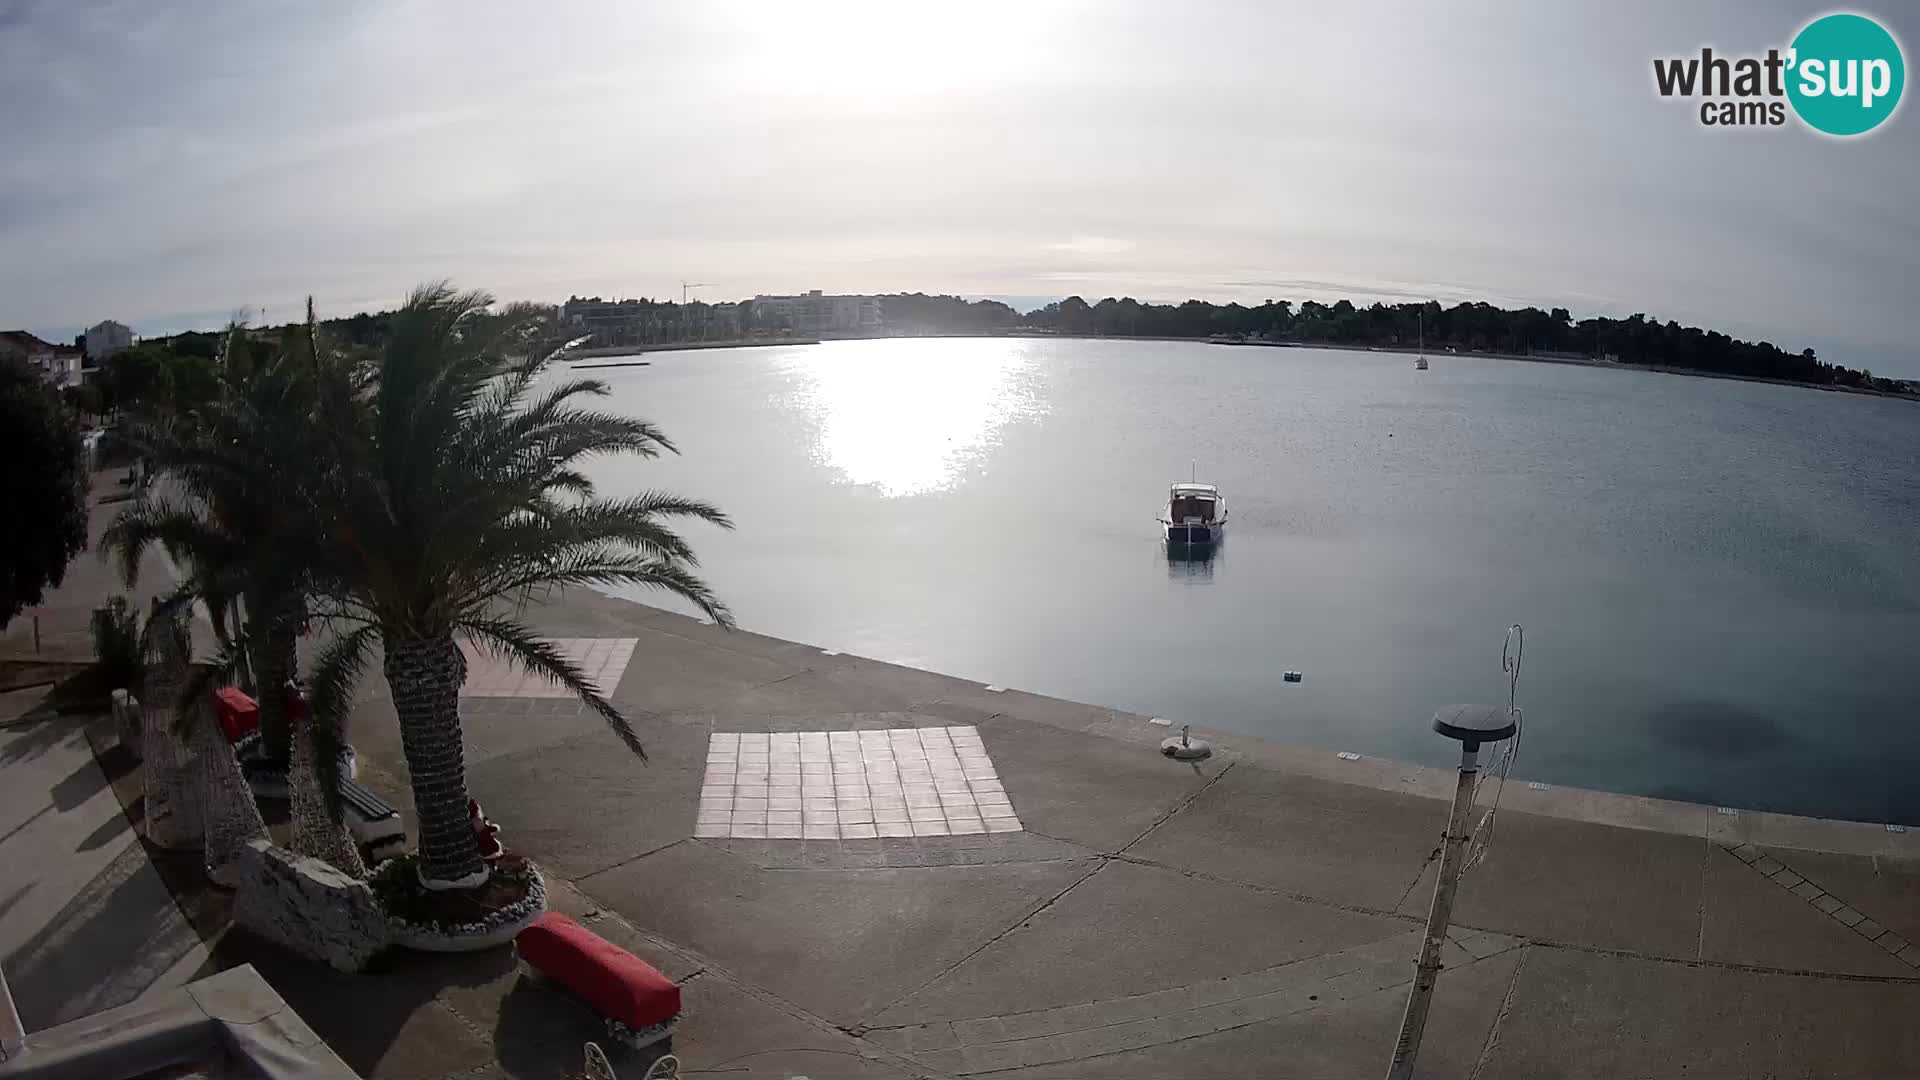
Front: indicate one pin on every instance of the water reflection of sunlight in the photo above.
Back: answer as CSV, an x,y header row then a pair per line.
x,y
908,416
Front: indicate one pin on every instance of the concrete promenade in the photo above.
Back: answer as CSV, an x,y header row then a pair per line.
x,y
1256,914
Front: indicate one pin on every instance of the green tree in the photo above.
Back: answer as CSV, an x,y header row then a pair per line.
x,y
43,488
142,375
457,494
83,398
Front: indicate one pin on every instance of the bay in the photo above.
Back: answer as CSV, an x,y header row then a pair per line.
x,y
1719,581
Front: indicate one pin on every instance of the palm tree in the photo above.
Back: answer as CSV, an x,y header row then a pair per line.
x,y
234,507
227,509
456,494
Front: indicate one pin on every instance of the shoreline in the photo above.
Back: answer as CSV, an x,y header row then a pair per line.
x,y
1403,350
1723,825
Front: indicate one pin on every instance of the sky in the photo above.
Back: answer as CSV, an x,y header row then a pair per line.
x,y
169,164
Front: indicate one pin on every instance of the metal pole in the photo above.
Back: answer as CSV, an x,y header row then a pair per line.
x,y
1414,1024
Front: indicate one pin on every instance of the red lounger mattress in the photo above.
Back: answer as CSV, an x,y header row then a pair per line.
x,y
236,711
618,984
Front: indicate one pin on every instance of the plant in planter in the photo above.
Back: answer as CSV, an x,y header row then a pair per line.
x,y
456,493
118,656
459,920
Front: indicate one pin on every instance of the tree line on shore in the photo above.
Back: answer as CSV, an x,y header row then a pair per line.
x,y
180,367
1474,327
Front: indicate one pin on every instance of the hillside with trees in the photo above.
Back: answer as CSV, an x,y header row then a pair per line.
x,y
1476,327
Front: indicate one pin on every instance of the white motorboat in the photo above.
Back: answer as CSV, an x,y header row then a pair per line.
x,y
1196,515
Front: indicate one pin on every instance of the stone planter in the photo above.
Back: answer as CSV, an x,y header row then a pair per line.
x,y
308,907
496,929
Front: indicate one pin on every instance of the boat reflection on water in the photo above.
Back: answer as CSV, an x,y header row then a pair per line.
x,y
1193,562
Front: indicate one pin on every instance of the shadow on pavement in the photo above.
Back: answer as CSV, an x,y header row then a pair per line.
x,y
114,939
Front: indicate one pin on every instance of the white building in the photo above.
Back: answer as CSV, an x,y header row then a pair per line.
x,y
814,313
105,339
57,364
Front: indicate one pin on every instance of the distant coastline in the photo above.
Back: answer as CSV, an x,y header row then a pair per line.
x,y
1574,361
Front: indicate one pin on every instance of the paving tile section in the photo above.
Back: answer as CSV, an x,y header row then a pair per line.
x,y
851,785
490,675
900,852
1831,907
1051,1036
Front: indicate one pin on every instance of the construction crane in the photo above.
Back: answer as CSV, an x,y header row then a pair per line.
x,y
684,286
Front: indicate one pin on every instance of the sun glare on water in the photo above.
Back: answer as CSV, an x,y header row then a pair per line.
x,y
910,417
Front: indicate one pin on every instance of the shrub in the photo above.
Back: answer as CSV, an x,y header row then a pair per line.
x,y
116,645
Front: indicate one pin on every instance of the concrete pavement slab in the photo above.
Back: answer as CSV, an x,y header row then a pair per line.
x,y
1578,1015
1885,889
845,943
727,1030
494,727
586,803
1350,1038
86,923
818,692
1331,841
1751,920
1177,930
1569,881
667,672
384,1025
1094,792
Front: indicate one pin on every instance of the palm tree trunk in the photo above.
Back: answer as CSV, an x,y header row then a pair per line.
x,y
315,833
424,676
231,817
272,653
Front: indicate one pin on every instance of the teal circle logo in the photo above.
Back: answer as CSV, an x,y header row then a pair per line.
x,y
1846,74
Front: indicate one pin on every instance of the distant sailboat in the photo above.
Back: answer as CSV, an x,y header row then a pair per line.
x,y
1420,361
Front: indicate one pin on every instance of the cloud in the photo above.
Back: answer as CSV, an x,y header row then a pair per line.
x,y
195,157
1093,245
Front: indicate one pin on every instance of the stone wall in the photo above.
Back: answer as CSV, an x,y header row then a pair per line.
x,y
308,906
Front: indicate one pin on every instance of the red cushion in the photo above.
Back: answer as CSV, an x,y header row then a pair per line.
x,y
236,711
618,984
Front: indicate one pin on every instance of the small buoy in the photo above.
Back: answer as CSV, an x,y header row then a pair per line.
x,y
1291,676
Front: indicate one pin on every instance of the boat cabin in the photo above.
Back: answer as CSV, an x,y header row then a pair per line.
x,y
1197,503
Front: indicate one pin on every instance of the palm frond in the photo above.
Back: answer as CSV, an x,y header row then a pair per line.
x,y
517,642
336,671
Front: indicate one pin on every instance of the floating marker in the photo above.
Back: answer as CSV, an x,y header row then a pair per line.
x,y
1347,755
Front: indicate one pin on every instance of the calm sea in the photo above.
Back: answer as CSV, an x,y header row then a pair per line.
x,y
1719,581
